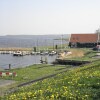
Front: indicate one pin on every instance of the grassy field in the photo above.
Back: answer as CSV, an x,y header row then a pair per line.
x,y
79,84
30,73
34,72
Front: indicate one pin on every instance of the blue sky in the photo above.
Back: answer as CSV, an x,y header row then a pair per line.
x,y
49,16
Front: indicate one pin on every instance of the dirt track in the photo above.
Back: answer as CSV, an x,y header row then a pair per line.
x,y
6,82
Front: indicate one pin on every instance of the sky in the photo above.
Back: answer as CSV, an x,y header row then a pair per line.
x,y
40,17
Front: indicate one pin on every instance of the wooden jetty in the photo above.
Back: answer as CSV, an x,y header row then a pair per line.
x,y
71,62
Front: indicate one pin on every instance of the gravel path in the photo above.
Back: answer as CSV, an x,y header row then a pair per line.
x,y
6,82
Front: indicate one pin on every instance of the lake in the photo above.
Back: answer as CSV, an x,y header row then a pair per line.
x,y
22,61
28,41
31,40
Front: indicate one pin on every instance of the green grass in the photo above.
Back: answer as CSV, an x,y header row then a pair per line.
x,y
34,72
78,84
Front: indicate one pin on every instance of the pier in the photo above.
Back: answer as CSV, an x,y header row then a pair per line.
x,y
71,62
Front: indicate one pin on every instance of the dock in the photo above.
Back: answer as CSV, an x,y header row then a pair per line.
x,y
71,62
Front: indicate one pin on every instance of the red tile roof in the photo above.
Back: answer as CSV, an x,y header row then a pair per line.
x,y
84,38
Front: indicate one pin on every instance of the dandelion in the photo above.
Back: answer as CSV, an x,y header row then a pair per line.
x,y
52,96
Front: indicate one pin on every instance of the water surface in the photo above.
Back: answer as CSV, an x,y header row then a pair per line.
x,y
22,61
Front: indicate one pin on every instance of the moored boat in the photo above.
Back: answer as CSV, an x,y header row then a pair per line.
x,y
18,53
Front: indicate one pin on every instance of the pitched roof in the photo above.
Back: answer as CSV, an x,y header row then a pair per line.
x,y
84,38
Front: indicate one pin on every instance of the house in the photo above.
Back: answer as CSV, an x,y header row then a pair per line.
x,y
84,40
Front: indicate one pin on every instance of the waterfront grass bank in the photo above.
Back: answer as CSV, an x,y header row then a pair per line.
x,y
30,73
79,84
39,71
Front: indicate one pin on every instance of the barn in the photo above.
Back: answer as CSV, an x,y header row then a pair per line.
x,y
84,40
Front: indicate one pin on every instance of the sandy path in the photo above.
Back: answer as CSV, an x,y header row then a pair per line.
x,y
74,53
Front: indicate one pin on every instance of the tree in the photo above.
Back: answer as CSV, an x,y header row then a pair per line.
x,y
56,47
34,49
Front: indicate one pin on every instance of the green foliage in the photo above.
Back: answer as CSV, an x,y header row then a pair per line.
x,y
33,72
79,84
35,49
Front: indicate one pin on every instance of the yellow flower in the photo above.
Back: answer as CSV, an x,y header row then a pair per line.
x,y
52,96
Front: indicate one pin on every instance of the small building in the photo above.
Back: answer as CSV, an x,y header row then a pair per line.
x,y
84,40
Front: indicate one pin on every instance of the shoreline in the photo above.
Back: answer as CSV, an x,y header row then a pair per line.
x,y
15,49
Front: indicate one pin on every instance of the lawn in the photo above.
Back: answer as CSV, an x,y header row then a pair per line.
x,y
30,73
34,72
